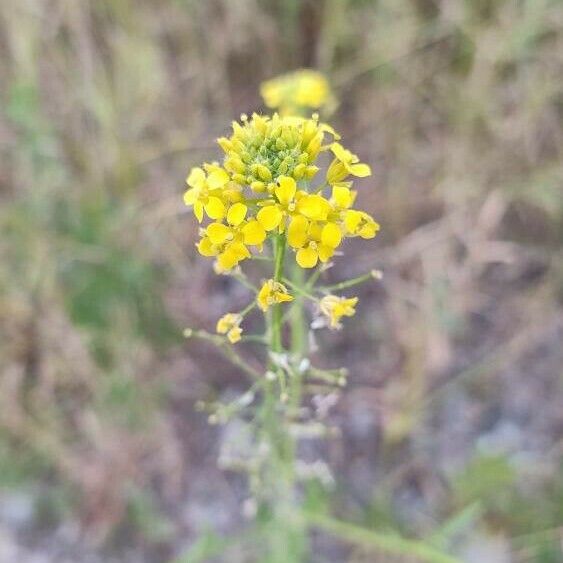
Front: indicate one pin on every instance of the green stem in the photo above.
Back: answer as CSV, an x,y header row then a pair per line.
x,y
226,349
279,254
244,281
374,274
297,287
298,343
298,329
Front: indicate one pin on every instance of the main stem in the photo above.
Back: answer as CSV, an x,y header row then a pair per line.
x,y
298,336
279,255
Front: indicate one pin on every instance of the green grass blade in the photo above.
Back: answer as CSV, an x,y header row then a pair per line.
x,y
380,541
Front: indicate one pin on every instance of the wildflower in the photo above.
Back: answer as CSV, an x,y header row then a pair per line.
x,y
228,242
354,222
360,223
229,324
344,164
334,308
272,292
314,206
296,91
207,192
313,240
274,212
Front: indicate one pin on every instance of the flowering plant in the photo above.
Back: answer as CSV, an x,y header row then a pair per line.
x,y
267,200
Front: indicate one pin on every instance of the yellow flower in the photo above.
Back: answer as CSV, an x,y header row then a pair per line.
x,y
313,240
229,324
272,292
342,196
274,212
207,192
313,206
228,242
360,223
344,164
334,308
296,91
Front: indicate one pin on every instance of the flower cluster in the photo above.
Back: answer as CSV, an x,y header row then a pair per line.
x,y
296,91
264,186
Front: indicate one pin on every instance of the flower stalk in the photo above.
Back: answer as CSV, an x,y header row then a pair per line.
x,y
261,195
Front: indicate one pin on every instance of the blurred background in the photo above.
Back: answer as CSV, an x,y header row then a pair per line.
x,y
452,423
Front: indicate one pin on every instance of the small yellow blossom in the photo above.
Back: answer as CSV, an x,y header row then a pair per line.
x,y
296,91
344,164
228,242
229,324
272,292
313,240
334,308
208,192
360,223
274,212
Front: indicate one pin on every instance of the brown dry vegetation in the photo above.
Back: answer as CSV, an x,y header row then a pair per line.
x,y
454,412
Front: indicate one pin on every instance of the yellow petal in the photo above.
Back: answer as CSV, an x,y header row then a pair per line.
x,y
253,233
263,295
198,210
239,249
215,208
234,335
360,170
269,217
232,255
331,235
285,191
329,129
307,257
314,231
336,172
205,247
342,196
325,252
283,297
341,153
314,207
297,232
190,196
352,220
369,230
232,195
236,214
217,179
227,260
196,177
218,233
